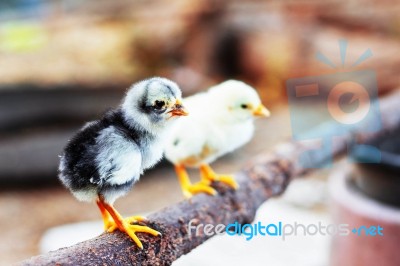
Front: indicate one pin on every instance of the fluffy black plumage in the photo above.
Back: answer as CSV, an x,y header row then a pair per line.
x,y
80,171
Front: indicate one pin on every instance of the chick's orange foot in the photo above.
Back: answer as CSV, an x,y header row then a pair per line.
x,y
190,189
208,176
204,185
113,220
199,187
132,229
129,220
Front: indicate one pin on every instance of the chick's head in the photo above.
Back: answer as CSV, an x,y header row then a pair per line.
x,y
154,103
235,101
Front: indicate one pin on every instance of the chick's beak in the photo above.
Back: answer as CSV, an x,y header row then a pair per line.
x,y
261,111
178,110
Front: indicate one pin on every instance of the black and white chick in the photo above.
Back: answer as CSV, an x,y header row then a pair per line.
x,y
106,157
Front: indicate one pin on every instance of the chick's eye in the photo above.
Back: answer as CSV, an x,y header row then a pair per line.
x,y
159,104
244,106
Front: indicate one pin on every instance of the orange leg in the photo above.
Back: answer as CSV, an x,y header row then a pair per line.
x,y
188,188
115,220
208,176
107,219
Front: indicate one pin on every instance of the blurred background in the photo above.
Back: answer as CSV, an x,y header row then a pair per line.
x,y
66,62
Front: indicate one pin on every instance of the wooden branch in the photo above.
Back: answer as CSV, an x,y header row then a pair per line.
x,y
266,176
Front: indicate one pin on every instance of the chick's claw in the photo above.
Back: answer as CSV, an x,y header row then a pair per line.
x,y
108,225
208,176
132,229
129,220
226,179
108,221
197,188
136,219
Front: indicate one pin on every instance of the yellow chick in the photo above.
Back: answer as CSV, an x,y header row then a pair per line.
x,y
221,120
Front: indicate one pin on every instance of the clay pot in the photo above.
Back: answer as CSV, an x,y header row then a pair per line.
x,y
352,207
381,181
368,195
